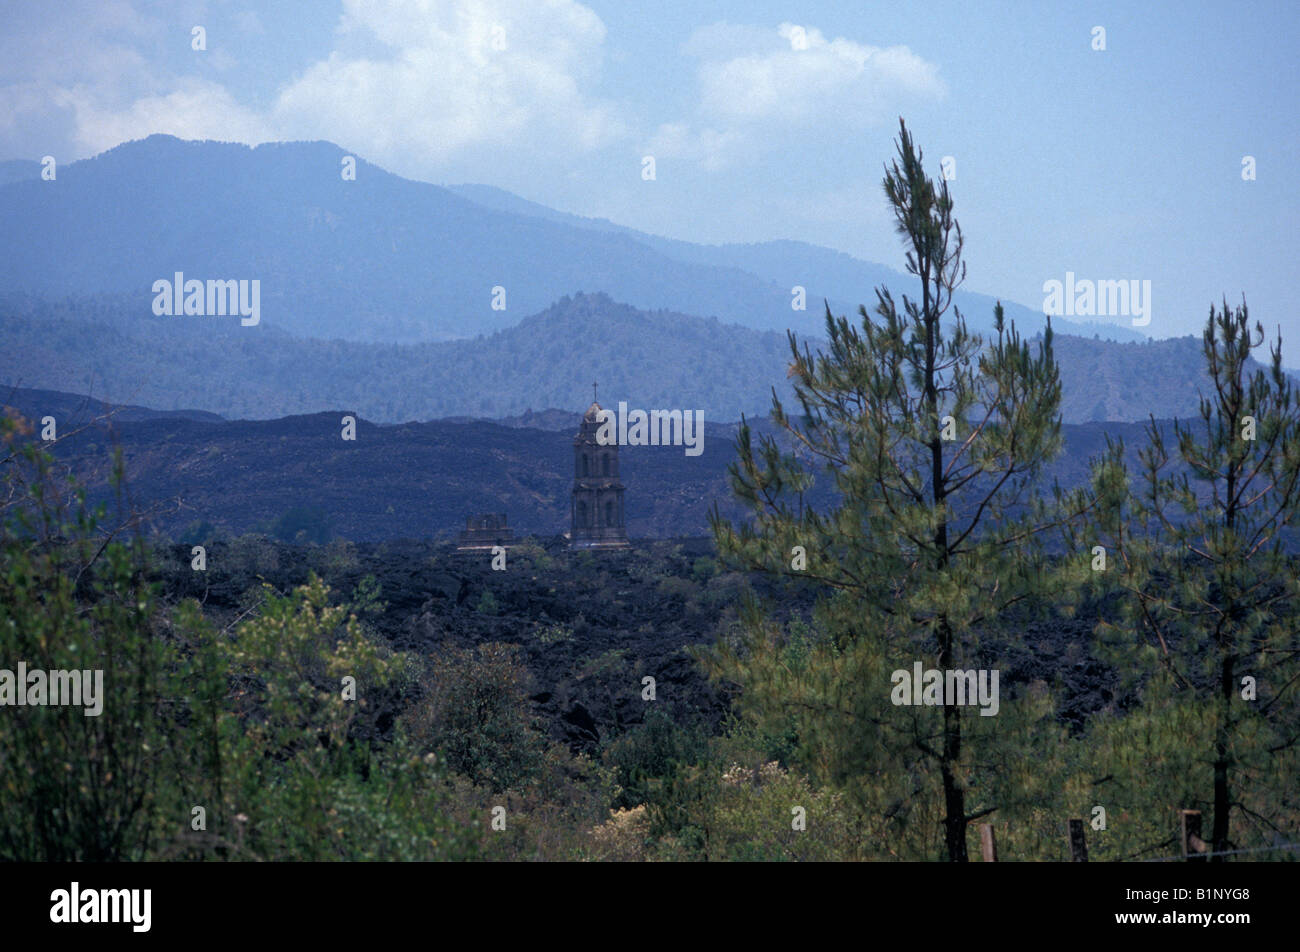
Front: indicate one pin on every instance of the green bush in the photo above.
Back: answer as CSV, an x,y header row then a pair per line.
x,y
487,604
704,568
77,788
649,754
211,745
476,716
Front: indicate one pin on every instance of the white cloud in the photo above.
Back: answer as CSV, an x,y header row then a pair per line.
x,y
423,87
446,84
413,83
89,53
198,109
712,149
814,78
755,85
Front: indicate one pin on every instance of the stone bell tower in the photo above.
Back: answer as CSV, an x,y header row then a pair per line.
x,y
597,507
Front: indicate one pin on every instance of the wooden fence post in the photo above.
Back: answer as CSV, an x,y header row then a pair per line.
x,y
1193,846
988,848
1078,844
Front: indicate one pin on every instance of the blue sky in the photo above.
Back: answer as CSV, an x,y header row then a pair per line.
x,y
766,120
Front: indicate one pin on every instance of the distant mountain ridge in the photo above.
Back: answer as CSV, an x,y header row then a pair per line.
x,y
655,359
70,409
386,259
418,480
838,276
650,358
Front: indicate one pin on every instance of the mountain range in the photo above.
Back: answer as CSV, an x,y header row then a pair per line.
x,y
656,359
376,297
385,259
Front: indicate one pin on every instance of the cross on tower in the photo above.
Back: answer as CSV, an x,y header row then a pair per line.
x,y
593,391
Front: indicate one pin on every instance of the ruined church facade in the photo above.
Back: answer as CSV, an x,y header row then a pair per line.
x,y
597,518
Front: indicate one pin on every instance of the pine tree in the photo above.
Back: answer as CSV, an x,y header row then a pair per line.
x,y
1209,632
933,439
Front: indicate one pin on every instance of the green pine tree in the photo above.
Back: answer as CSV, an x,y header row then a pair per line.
x,y
933,438
1209,632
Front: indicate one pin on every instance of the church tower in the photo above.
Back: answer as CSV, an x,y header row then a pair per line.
x,y
597,506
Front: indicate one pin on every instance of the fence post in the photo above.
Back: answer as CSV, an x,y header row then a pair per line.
x,y
1078,844
1193,845
988,848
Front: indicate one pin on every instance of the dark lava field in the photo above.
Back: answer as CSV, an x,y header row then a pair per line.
x,y
589,625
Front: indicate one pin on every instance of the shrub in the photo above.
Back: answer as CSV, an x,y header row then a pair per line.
x,y
704,568
476,715
623,837
76,788
650,753
554,634
487,604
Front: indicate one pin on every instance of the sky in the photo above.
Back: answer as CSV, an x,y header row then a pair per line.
x,y
1171,155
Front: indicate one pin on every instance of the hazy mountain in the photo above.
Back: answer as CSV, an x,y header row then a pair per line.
x,y
1104,380
823,272
380,258
383,258
652,359
19,170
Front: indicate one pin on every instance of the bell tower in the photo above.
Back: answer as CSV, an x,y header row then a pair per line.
x,y
596,512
